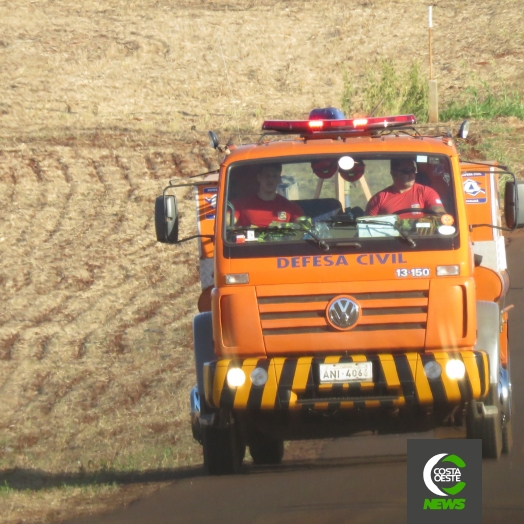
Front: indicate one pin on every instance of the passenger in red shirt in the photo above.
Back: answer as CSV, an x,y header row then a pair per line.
x,y
405,193
267,205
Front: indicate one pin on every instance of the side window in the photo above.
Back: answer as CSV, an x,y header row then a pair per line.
x,y
435,172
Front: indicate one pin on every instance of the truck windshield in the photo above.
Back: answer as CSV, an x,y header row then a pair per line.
x,y
344,198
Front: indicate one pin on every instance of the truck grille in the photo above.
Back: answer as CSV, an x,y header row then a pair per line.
x,y
380,311
299,319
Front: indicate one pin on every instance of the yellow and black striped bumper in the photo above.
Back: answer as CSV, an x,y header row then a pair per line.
x,y
398,380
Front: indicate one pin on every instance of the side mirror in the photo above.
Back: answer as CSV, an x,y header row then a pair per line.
x,y
513,213
464,130
213,139
166,219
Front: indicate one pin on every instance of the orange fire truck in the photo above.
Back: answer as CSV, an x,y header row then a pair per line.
x,y
321,316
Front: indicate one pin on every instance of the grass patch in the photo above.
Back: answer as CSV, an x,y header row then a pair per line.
x,y
388,90
397,92
151,458
55,504
498,147
385,90
88,489
482,103
5,489
500,142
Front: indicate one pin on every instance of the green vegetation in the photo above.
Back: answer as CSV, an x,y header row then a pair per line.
x,y
483,103
5,489
93,488
392,91
498,142
147,458
398,93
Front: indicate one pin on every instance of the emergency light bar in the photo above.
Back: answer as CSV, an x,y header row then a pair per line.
x,y
354,124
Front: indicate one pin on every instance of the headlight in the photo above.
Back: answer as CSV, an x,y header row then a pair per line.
x,y
432,369
239,278
455,369
259,376
448,271
235,378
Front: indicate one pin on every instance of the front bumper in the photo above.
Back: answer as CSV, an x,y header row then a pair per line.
x,y
398,380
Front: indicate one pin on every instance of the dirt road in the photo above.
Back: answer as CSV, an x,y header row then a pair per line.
x,y
358,480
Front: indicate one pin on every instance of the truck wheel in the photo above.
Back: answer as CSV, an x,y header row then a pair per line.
x,y
492,437
486,428
204,347
265,450
223,450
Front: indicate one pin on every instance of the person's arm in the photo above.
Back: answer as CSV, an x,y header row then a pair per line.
x,y
439,210
373,206
432,201
239,207
295,212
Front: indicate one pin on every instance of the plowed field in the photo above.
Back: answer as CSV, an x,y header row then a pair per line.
x,y
101,103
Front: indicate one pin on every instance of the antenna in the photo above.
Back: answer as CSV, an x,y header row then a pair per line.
x,y
229,83
377,106
432,84
430,25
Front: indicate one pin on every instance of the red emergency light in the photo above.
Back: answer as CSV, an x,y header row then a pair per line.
x,y
334,125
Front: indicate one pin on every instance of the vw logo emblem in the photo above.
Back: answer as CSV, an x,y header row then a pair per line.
x,y
342,312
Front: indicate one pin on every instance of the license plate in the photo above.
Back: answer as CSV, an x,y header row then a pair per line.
x,y
346,372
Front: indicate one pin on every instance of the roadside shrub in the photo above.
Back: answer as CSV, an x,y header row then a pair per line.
x,y
385,90
482,103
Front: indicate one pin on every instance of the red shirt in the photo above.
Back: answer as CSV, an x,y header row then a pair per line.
x,y
389,200
253,211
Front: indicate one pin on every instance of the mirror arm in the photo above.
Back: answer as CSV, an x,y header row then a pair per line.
x,y
492,226
212,237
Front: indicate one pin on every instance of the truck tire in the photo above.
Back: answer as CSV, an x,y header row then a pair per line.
x,y
486,428
492,437
203,347
265,450
223,450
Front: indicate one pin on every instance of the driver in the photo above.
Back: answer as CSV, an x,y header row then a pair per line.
x,y
404,193
267,205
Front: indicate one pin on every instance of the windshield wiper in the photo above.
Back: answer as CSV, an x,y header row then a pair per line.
x,y
320,243
405,236
395,226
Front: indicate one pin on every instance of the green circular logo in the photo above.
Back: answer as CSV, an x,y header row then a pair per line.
x,y
444,474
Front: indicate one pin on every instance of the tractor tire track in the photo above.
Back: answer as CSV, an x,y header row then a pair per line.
x,y
97,315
